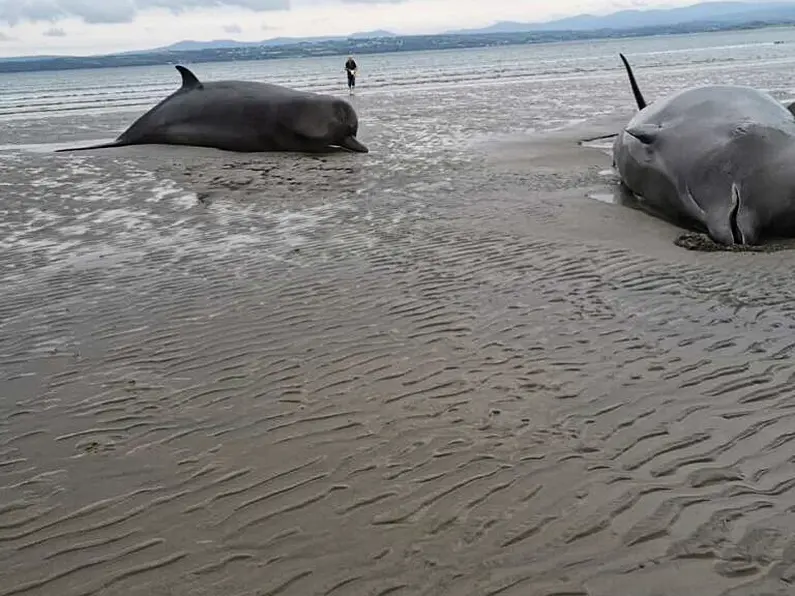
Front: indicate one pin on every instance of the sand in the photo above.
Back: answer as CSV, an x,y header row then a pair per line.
x,y
419,373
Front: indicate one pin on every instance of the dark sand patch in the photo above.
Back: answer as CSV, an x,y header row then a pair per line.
x,y
702,242
386,383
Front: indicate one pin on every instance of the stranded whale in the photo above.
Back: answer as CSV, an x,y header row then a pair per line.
x,y
244,116
720,157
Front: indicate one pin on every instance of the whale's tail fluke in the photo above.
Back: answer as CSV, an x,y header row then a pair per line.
x,y
100,146
634,84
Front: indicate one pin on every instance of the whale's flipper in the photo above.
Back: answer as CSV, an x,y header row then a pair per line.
x,y
634,84
189,80
115,143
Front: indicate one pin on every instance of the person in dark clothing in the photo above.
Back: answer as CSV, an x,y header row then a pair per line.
x,y
351,68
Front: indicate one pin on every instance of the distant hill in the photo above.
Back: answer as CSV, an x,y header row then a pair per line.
x,y
706,16
717,13
30,58
192,46
378,33
342,46
724,13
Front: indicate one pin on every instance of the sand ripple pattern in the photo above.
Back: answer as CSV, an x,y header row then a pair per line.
x,y
402,393
410,372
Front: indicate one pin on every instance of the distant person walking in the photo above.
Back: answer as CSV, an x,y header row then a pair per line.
x,y
351,68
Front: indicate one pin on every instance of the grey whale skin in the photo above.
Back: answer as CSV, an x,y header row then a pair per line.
x,y
720,157
244,116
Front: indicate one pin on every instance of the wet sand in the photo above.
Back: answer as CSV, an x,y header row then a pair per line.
x,y
409,372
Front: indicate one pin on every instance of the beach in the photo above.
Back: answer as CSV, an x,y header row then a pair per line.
x,y
453,365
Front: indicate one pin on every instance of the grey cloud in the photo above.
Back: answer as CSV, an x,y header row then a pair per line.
x,y
115,11
233,29
54,32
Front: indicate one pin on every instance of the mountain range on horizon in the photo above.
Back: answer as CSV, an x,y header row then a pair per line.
x,y
705,12
711,13
189,44
716,12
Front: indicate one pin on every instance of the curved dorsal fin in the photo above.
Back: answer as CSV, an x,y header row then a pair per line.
x,y
189,80
634,84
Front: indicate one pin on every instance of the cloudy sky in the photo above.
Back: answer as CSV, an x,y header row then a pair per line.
x,y
29,27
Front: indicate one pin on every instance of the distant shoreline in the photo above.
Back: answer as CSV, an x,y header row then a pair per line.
x,y
379,45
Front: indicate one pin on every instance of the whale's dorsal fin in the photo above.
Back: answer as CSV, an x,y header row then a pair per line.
x,y
634,84
189,80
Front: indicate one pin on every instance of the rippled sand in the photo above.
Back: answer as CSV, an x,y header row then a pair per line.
x,y
440,368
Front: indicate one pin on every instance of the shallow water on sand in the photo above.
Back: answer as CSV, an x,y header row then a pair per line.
x,y
438,368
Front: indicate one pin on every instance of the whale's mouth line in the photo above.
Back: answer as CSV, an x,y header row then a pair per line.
x,y
351,143
737,233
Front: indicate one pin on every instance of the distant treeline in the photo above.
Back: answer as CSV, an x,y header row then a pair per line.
x,y
379,45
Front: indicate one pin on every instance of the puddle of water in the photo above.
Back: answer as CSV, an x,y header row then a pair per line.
x,y
604,197
613,192
605,145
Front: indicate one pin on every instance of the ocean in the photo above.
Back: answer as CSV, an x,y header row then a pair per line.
x,y
697,58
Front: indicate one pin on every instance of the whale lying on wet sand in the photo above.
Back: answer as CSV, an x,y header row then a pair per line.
x,y
244,116
719,157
